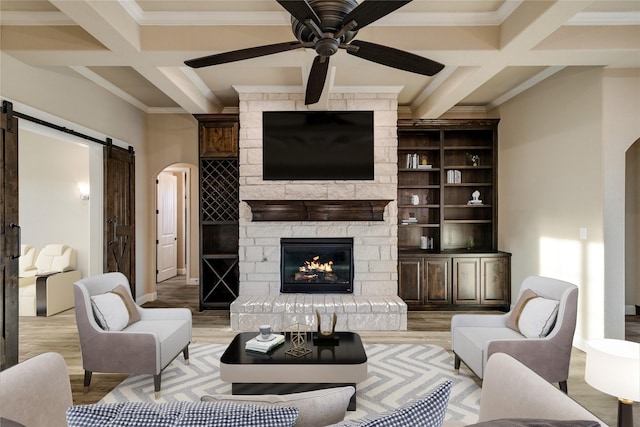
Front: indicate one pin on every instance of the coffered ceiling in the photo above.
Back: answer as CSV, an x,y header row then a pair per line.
x,y
492,49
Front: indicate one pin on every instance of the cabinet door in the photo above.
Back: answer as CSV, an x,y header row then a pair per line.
x,y
218,139
410,280
496,281
437,280
466,280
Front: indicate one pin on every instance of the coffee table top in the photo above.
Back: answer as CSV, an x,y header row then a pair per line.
x,y
349,351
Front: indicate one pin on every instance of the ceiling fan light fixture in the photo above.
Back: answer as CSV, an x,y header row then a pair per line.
x,y
327,46
327,26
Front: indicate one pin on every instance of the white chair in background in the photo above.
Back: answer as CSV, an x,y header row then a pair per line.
x,y
48,289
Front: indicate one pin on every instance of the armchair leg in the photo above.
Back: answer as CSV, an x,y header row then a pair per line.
x,y
456,365
156,385
185,353
563,386
87,381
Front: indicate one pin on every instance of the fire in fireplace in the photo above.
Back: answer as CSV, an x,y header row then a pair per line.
x,y
316,265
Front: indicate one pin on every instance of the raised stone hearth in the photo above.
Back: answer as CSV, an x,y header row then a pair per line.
x,y
364,313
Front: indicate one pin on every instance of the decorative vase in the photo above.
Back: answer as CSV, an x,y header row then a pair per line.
x,y
326,331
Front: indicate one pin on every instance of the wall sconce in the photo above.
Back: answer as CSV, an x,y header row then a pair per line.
x,y
84,191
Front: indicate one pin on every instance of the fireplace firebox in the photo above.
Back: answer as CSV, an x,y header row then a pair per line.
x,y
316,265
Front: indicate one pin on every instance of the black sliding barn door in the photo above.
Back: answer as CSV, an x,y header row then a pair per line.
x,y
9,237
119,212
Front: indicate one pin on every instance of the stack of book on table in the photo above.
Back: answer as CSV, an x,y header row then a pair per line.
x,y
264,345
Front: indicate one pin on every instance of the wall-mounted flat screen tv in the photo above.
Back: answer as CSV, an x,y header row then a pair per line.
x,y
317,145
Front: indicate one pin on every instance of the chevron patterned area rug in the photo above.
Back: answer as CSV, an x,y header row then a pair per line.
x,y
398,373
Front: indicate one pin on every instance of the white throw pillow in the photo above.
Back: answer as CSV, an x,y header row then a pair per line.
x,y
110,311
538,317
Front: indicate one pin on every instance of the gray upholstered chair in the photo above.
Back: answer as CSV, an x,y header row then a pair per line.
x,y
144,347
475,337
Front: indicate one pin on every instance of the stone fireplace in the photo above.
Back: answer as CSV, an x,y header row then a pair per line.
x,y
362,212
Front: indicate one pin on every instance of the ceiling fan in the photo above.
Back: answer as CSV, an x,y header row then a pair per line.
x,y
327,26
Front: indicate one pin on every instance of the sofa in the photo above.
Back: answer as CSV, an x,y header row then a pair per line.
x,y
510,390
46,285
27,261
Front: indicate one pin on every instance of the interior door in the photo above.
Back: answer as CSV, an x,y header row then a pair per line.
x,y
167,227
9,237
119,212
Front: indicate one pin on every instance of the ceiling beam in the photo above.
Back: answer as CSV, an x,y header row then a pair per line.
x,y
520,32
112,25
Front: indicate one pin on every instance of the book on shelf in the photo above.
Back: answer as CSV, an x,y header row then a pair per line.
x,y
454,176
263,346
410,221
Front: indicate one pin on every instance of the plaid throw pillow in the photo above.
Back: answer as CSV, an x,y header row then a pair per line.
x,y
180,414
426,412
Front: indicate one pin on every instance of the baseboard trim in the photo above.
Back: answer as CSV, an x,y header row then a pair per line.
x,y
147,298
631,310
194,281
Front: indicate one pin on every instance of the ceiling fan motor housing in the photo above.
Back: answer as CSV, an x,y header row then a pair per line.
x,y
331,14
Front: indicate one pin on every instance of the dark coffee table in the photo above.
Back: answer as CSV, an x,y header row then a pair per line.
x,y
279,373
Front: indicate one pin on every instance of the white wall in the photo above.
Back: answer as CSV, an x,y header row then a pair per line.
x,y
174,142
50,208
562,167
66,98
621,128
551,184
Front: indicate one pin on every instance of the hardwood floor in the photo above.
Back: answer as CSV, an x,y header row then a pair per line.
x,y
59,334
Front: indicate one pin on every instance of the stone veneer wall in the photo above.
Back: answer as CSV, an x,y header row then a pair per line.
x,y
374,304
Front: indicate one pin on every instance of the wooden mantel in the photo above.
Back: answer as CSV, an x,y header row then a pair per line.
x,y
318,210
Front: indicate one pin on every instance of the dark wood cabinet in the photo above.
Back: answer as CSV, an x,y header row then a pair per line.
x,y
436,280
218,136
447,194
455,280
495,280
410,278
219,200
466,280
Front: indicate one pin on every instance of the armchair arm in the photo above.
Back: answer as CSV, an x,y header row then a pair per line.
x,y
118,352
544,356
29,273
36,392
511,390
164,313
54,291
481,320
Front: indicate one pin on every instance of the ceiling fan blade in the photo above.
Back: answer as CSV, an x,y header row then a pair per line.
x,y
317,77
300,10
239,55
394,58
371,10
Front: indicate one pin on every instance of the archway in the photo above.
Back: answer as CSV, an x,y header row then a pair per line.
x,y
173,222
632,229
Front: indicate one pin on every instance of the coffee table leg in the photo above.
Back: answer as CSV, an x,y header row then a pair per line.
x,y
286,388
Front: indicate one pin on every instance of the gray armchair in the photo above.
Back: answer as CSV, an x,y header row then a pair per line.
x,y
475,337
144,347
